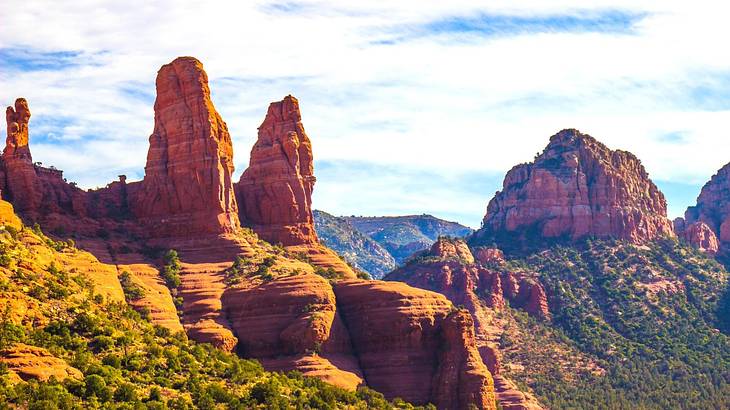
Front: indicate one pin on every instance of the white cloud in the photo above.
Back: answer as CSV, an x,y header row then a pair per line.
x,y
451,103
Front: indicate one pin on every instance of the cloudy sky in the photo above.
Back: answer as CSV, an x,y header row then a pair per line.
x,y
412,107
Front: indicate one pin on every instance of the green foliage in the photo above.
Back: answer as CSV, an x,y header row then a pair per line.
x,y
171,270
649,317
132,291
128,363
329,273
237,271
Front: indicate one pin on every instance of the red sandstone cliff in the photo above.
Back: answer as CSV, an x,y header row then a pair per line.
x,y
697,234
275,191
187,188
401,341
713,211
575,188
450,268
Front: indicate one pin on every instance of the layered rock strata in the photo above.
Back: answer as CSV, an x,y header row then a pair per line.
x,y
576,188
399,340
275,191
188,187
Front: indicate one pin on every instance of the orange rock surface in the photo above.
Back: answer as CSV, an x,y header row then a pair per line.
x,y
31,362
698,234
409,342
713,210
187,188
450,269
275,191
576,188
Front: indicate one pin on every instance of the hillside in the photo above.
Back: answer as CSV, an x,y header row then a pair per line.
x,y
650,317
622,325
69,340
358,249
402,236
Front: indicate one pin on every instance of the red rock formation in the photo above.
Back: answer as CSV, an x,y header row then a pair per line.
x,y
187,188
287,320
450,269
21,184
275,192
31,362
577,188
697,234
412,345
460,379
713,208
399,340
487,256
533,299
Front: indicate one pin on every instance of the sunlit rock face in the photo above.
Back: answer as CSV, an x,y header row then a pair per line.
x,y
275,191
577,188
188,187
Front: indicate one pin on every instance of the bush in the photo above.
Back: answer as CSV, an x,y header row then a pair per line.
x,y
132,291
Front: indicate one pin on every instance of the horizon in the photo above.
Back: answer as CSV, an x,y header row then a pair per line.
x,y
394,130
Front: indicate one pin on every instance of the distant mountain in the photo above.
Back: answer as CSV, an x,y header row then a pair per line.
x,y
357,248
402,236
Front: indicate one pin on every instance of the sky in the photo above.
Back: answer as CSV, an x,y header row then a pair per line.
x,y
412,106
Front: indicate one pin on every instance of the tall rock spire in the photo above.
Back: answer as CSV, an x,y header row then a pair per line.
x,y
275,192
21,184
16,144
187,188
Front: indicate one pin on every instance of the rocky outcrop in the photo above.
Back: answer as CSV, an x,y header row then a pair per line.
x,y
284,321
713,210
450,268
399,340
412,344
275,191
576,188
187,188
487,256
21,184
31,362
697,234
33,189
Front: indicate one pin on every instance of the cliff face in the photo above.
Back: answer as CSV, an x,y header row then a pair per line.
x,y
399,340
576,188
713,211
450,268
187,188
275,191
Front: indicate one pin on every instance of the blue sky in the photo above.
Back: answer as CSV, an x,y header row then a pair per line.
x,y
412,106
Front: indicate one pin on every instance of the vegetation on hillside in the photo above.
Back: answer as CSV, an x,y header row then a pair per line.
x,y
648,315
125,361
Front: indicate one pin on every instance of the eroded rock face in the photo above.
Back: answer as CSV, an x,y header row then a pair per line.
x,y
275,191
187,188
450,269
21,184
31,362
713,207
401,341
575,188
697,234
411,344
